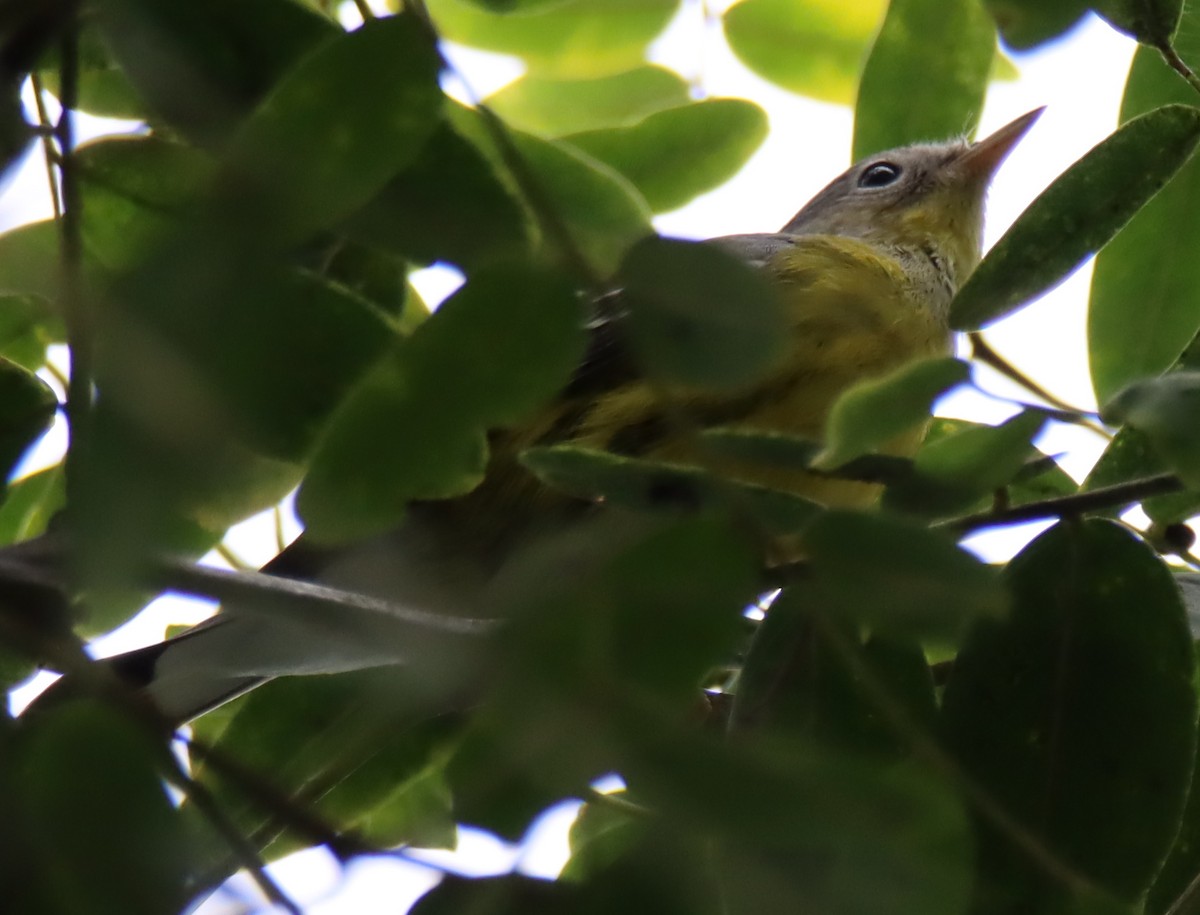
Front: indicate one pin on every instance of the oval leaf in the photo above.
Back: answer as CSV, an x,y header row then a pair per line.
x,y
1074,217
681,298
675,155
874,412
899,577
1026,24
1147,277
813,47
926,75
1152,22
414,426
553,107
1167,411
1078,714
336,128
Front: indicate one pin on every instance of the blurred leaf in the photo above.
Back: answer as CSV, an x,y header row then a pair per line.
x,y
553,107
800,828
601,212
926,75
813,48
30,261
679,295
1183,863
769,448
873,412
103,89
333,131
27,327
602,833
449,205
898,577
1074,217
1167,411
652,486
414,426
675,155
983,458
1025,24
1130,456
795,683
353,746
572,39
101,829
202,66
1146,276
637,623
1078,715
30,503
1152,22
956,448
27,407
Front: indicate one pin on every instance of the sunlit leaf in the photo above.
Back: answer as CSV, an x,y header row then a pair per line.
x,y
553,107
573,39
926,75
674,155
814,48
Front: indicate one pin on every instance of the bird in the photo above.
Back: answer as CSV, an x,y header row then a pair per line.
x,y
867,271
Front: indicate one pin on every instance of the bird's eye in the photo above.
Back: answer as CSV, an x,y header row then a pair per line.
x,y
880,174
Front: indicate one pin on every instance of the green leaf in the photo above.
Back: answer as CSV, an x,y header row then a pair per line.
x,y
103,89
573,39
448,205
873,412
1078,715
679,296
27,327
983,458
27,407
814,47
1152,22
1025,24
414,426
675,155
1146,276
30,503
351,745
652,486
96,815
1074,217
30,261
1167,411
926,76
202,66
898,577
601,212
553,107
796,684
1131,456
956,471
336,128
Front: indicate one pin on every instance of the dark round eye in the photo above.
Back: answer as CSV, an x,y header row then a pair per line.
x,y
879,174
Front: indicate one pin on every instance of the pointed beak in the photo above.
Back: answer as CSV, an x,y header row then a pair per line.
x,y
981,159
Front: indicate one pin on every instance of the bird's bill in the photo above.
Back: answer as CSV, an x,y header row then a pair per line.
x,y
983,158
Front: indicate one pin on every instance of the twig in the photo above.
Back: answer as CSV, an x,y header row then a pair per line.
x,y
1114,496
1176,63
47,134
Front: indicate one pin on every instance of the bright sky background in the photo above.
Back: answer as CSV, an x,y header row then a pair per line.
x,y
1079,80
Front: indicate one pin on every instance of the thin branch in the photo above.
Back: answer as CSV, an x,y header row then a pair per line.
x,y
982,351
48,151
1115,496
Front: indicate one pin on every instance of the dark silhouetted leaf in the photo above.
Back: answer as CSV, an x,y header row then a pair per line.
x,y
1027,23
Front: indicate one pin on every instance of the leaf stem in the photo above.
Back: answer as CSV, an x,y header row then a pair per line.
x,y
1176,63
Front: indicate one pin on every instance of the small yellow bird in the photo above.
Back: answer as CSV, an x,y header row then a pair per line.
x,y
867,269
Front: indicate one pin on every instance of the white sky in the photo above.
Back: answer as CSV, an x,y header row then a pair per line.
x,y
1079,80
